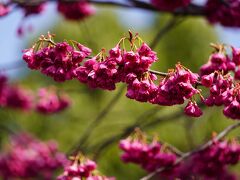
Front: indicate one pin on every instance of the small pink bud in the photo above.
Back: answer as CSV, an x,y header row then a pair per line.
x,y
193,110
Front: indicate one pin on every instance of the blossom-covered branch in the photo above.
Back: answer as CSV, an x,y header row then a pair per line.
x,y
63,62
226,15
192,9
191,153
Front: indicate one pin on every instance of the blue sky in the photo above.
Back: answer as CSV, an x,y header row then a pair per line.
x,y
11,44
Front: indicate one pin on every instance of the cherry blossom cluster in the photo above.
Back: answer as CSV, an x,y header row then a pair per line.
x,y
219,86
220,61
29,157
49,101
225,13
82,168
14,96
177,86
223,90
58,61
232,103
209,163
131,66
150,156
98,73
170,5
63,62
46,102
119,66
75,10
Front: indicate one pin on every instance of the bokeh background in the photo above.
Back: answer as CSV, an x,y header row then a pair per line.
x,y
188,43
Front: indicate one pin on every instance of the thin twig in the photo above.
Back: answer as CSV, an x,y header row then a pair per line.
x,y
141,123
174,149
221,135
165,29
158,73
89,38
99,148
96,121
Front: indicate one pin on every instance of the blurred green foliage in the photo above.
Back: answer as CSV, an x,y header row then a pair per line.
x,y
188,43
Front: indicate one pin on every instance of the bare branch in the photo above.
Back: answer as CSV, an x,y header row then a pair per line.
x,y
165,29
96,122
126,131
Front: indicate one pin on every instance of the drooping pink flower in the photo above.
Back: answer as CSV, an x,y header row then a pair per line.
x,y
176,87
232,110
49,102
142,90
193,110
139,62
115,54
217,62
75,10
98,74
17,97
81,168
28,56
220,88
150,156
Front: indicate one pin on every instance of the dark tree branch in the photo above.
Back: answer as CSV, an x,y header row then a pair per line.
x,y
164,30
192,10
99,148
96,122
